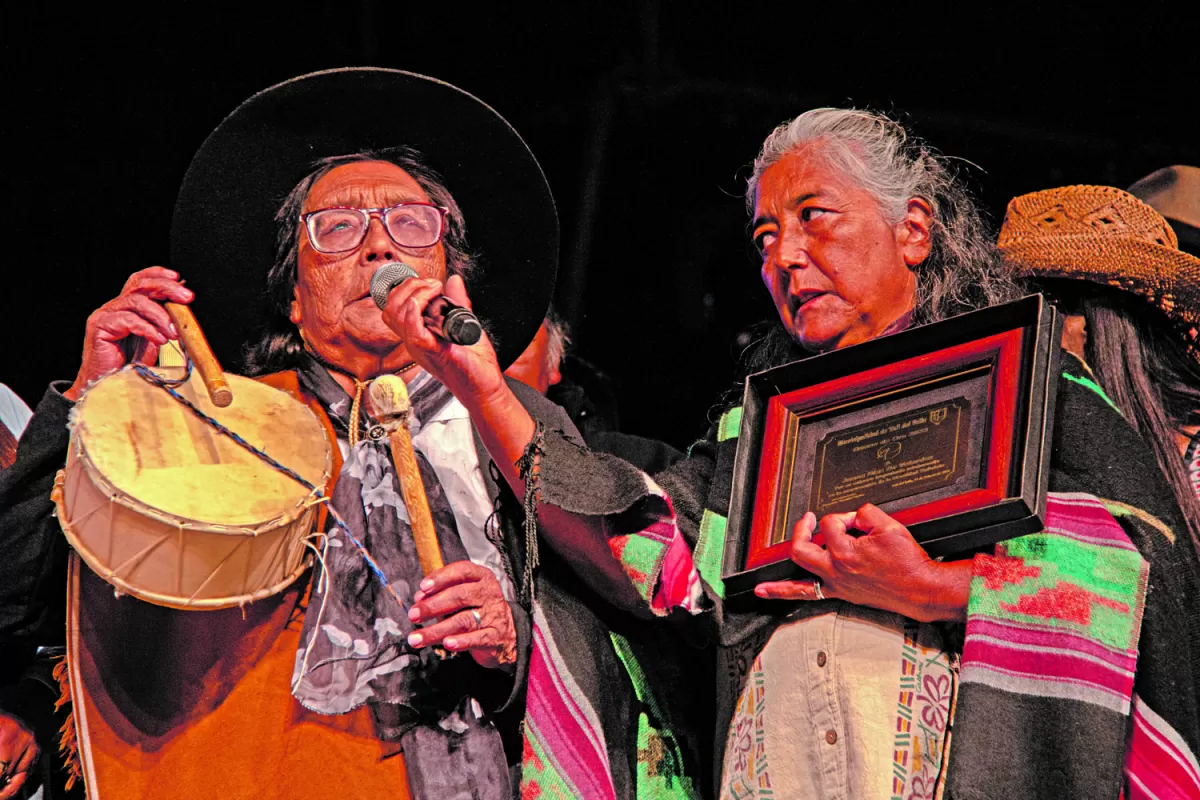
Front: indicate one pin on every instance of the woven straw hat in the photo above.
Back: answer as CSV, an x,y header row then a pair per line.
x,y
1109,237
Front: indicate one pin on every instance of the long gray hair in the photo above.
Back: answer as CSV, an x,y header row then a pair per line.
x,y
558,336
962,272
280,347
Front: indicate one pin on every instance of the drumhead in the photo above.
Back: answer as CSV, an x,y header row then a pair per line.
x,y
153,450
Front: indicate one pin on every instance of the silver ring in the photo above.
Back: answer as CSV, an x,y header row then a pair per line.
x,y
817,589
478,618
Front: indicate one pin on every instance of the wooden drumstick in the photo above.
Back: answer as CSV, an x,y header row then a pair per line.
x,y
389,401
197,349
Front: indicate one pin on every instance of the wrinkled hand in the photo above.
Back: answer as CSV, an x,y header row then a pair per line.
x,y
884,568
465,371
133,313
18,754
450,595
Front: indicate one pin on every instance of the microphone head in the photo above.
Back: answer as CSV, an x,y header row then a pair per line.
x,y
388,277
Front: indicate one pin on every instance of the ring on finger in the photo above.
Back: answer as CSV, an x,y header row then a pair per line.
x,y
478,618
817,589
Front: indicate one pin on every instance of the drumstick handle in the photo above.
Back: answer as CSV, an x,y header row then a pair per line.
x,y
429,552
197,349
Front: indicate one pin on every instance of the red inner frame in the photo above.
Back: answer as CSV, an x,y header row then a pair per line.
x,y
1004,348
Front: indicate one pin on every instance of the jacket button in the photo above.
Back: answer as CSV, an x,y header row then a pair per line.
x,y
831,736
821,659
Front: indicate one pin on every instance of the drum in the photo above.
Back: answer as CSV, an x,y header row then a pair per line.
x,y
168,509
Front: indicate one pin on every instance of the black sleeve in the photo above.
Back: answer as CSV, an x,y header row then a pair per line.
x,y
33,568
648,455
30,698
523,623
501,691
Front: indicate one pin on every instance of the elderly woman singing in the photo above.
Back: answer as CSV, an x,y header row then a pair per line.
x,y
306,190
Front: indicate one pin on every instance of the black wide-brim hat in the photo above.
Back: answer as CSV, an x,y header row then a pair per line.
x,y
223,231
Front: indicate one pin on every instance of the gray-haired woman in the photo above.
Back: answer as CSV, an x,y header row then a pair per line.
x,y
847,686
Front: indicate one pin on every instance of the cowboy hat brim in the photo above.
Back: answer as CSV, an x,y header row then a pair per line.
x,y
1163,276
223,231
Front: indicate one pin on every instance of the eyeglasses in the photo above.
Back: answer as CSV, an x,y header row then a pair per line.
x,y
342,229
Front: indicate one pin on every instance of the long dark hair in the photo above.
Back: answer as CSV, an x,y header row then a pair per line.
x,y
1143,365
279,346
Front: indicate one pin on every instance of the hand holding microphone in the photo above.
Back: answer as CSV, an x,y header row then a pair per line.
x,y
451,322
430,324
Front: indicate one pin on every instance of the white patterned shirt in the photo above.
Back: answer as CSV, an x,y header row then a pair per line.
x,y
844,702
448,441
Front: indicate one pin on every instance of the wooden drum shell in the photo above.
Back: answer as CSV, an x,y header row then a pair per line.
x,y
177,560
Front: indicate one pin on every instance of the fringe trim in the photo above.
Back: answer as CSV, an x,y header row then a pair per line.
x,y
493,530
68,743
529,469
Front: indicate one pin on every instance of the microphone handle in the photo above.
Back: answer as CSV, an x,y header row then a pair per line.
x,y
451,322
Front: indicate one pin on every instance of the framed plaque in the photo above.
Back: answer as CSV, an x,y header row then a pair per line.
x,y
946,427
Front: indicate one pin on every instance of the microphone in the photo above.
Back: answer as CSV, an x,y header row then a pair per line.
x,y
453,323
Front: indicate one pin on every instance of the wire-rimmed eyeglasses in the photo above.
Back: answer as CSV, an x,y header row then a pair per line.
x,y
341,229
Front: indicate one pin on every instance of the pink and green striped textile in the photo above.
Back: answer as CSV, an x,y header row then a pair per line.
x,y
565,756
659,563
1058,613
1158,763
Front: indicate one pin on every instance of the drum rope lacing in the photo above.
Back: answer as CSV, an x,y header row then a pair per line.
x,y
317,493
323,590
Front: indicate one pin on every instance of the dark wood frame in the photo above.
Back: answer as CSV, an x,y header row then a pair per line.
x,y
1019,343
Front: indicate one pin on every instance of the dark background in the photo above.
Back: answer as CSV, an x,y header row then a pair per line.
x,y
643,115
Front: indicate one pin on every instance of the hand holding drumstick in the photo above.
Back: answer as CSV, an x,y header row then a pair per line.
x,y
135,318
